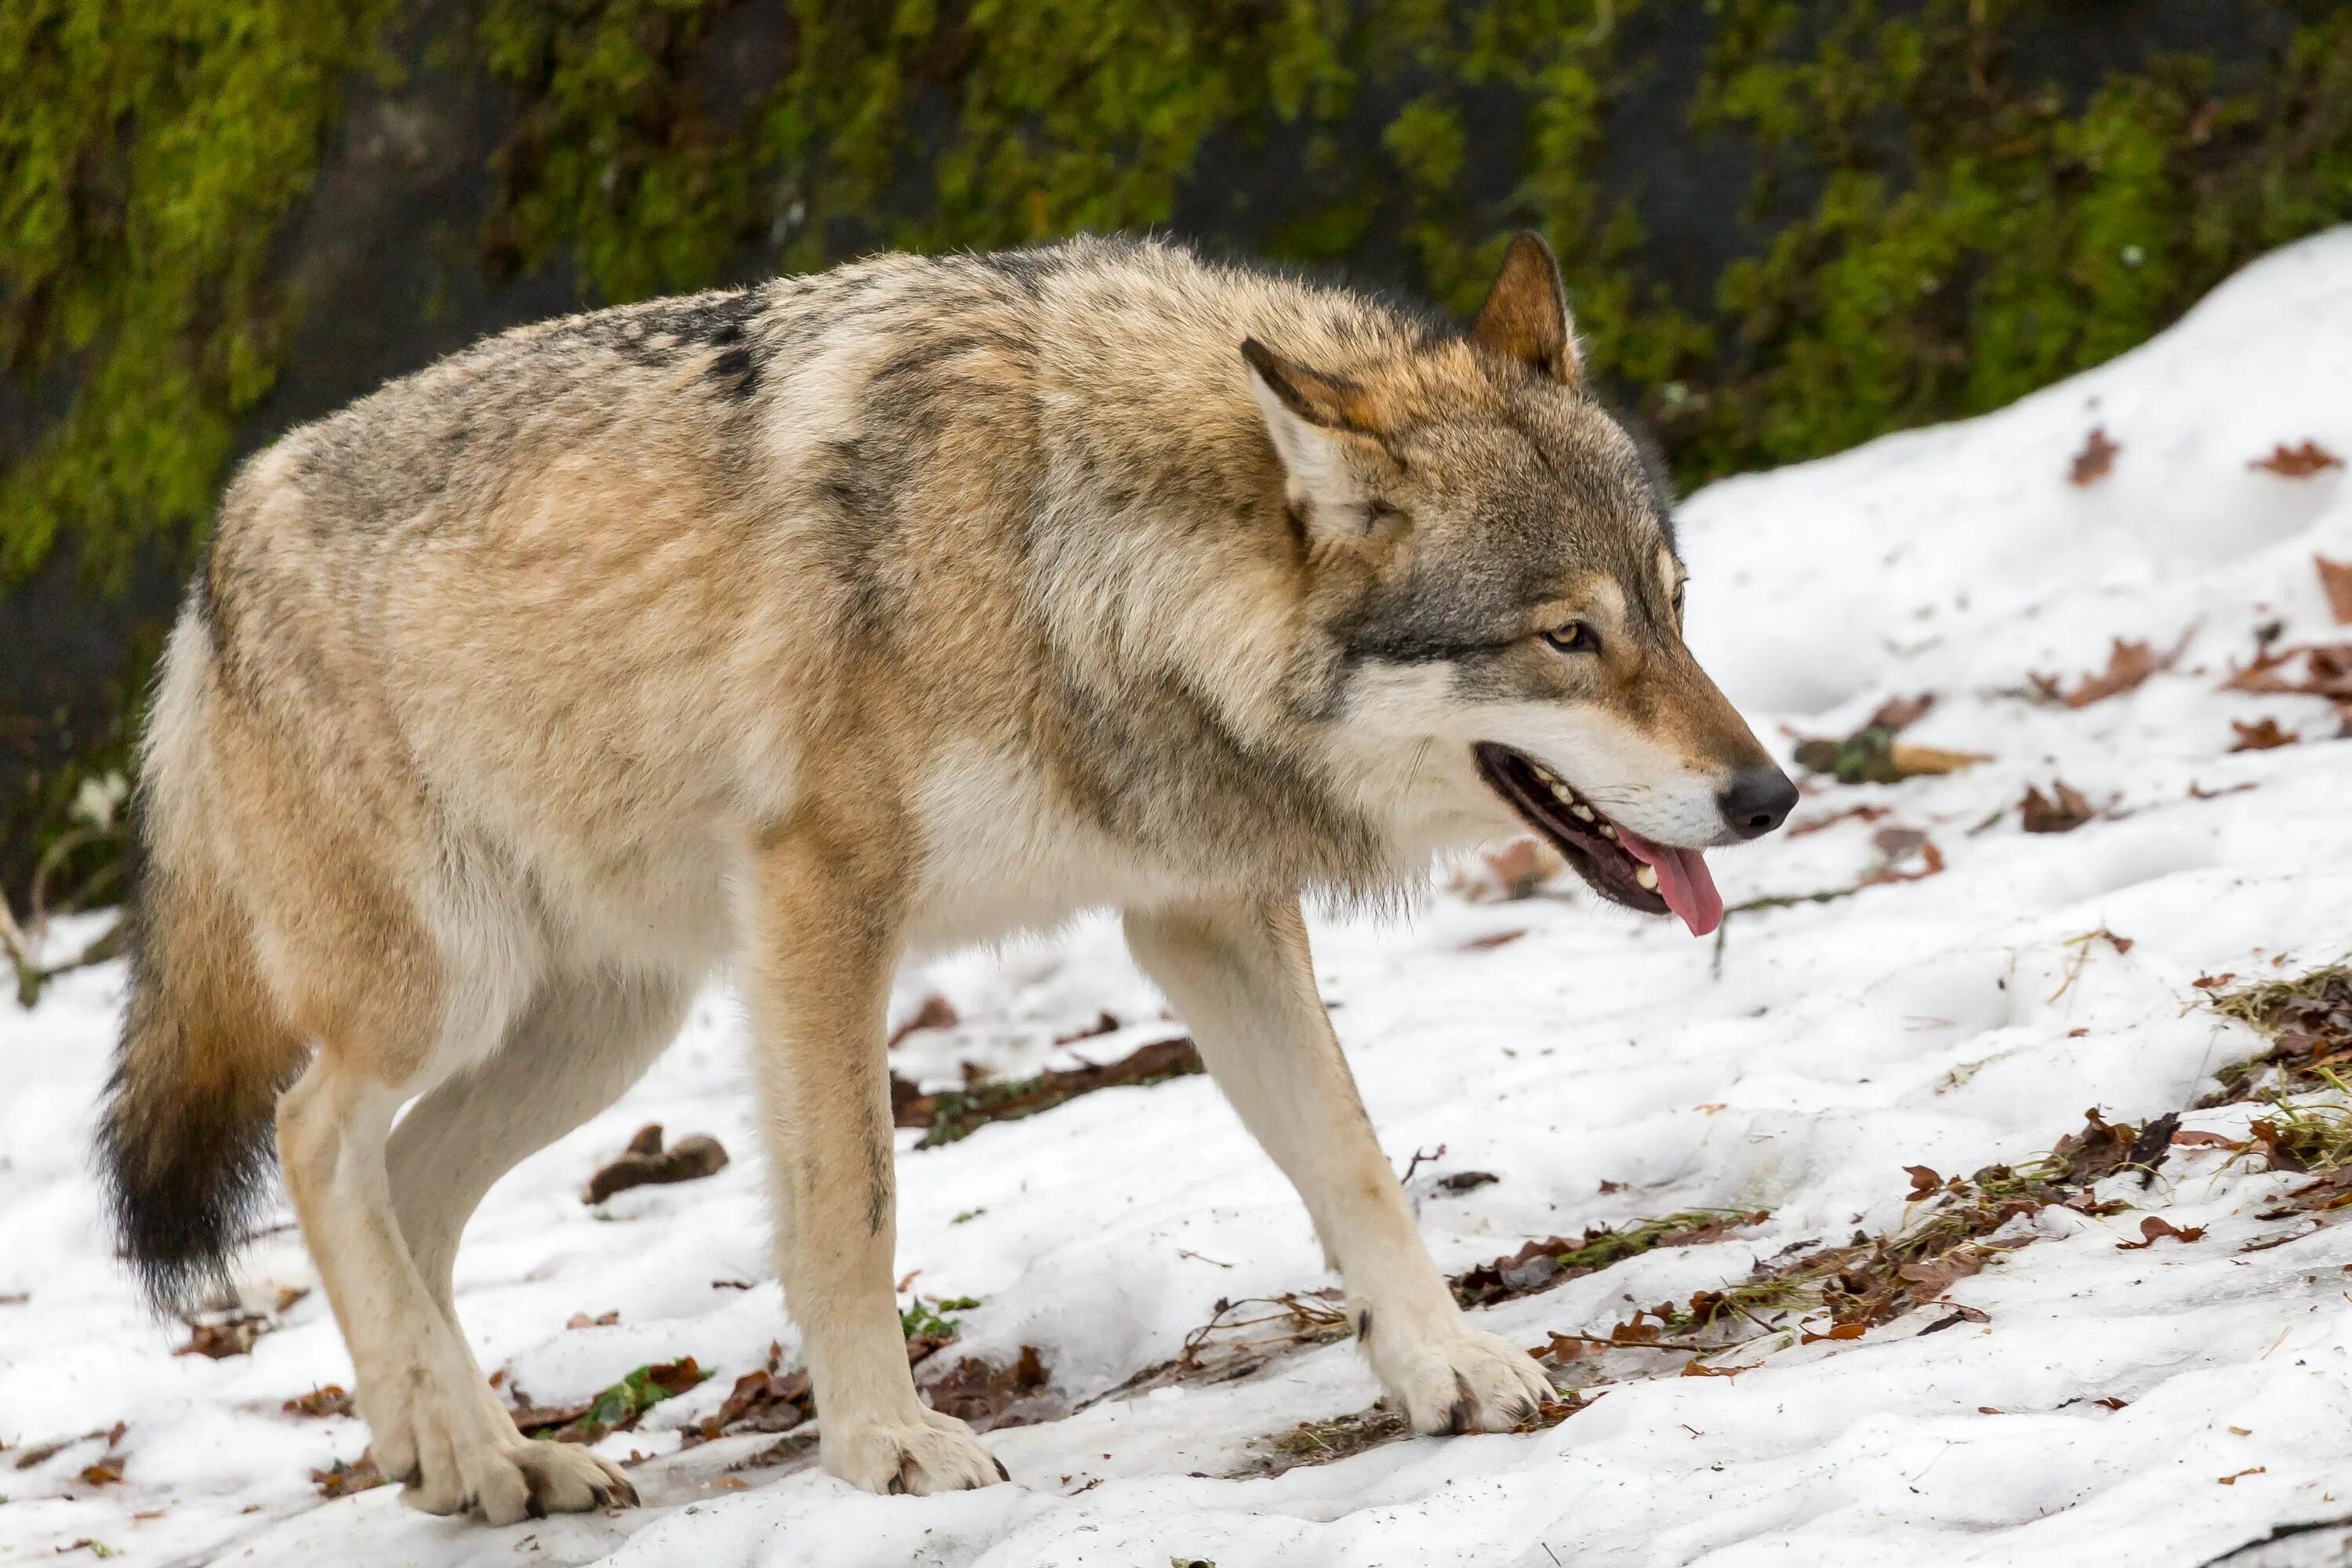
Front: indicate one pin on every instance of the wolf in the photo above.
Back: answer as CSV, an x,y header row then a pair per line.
x,y
810,625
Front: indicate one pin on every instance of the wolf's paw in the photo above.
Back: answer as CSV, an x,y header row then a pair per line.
x,y
935,1454
459,1455
519,1480
557,1477
1464,1380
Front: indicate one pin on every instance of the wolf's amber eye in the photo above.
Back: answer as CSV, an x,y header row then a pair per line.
x,y
1573,637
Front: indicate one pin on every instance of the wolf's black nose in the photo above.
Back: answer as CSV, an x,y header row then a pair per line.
x,y
1759,801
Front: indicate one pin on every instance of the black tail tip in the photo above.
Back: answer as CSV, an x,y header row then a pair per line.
x,y
182,1206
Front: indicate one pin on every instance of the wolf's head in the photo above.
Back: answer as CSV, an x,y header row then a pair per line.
x,y
1495,565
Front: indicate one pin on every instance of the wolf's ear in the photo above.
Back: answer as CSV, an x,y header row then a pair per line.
x,y
1316,422
1526,317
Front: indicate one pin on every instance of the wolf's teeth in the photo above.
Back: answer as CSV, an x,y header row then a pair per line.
x,y
1648,877
1607,831
1583,812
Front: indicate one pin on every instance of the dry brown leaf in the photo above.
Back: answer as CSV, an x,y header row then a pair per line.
x,y
1841,1331
2297,462
2335,582
2063,811
342,1478
227,1335
2129,665
1106,1023
2156,1228
690,1158
2096,459
2263,735
1492,940
936,1012
1901,713
770,1400
987,1397
330,1400
2327,672
1931,863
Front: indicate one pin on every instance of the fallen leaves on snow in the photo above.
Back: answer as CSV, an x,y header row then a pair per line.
x,y
2156,1228
953,1114
332,1399
344,1477
987,1395
1555,1260
2095,460
2308,1019
2300,461
616,1408
2129,665
2335,582
2064,809
2263,735
645,1162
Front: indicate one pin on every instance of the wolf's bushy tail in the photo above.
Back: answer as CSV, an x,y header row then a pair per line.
x,y
186,1139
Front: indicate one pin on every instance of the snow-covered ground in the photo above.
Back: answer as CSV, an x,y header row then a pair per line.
x,y
1948,1021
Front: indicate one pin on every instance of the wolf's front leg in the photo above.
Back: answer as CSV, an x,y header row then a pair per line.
x,y
1241,976
824,935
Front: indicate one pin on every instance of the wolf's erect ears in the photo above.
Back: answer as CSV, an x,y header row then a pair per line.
x,y
1320,430
1526,317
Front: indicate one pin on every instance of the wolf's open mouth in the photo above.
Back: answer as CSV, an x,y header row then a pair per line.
x,y
1621,865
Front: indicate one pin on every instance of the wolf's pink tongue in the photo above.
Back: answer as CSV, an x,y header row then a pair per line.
x,y
1683,881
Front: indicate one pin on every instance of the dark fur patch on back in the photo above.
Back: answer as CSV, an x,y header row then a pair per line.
x,y
660,332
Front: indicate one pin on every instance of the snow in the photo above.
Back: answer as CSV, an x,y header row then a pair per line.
x,y
1948,1021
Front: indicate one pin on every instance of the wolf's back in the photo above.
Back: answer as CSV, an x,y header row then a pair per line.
x,y
185,1136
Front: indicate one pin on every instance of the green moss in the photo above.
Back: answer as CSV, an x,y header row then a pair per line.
x,y
2009,243
148,155
612,160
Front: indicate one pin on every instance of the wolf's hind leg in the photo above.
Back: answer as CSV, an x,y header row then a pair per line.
x,y
1240,974
822,940
572,1051
432,1420
576,1048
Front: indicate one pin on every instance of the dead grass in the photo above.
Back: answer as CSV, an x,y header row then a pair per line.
x,y
2307,1018
1805,1294
1344,1437
958,1114
1555,1260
